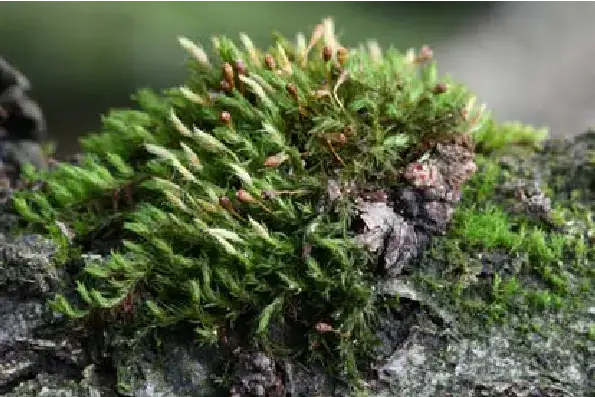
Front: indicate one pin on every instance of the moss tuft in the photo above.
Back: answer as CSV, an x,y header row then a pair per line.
x,y
212,198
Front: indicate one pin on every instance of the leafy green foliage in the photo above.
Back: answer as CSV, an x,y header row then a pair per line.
x,y
220,186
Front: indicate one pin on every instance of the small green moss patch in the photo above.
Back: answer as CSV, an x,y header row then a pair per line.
x,y
498,264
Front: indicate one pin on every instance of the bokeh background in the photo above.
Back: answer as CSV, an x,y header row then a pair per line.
x,y
531,62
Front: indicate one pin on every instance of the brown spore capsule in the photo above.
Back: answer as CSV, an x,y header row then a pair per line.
x,y
240,67
336,137
342,55
276,160
225,86
439,88
323,327
225,117
292,90
228,73
225,202
327,53
349,130
425,54
270,62
245,197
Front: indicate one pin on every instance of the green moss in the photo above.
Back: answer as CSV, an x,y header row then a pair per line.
x,y
215,197
540,268
487,227
212,192
502,136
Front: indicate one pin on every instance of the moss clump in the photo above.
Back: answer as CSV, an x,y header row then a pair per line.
x,y
216,193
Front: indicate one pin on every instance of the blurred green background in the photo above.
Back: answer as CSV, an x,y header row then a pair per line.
x,y
84,57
